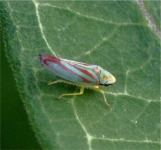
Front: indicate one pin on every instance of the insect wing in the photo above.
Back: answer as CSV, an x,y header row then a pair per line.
x,y
74,71
85,72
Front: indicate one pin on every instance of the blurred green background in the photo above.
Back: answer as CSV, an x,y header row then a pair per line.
x,y
16,132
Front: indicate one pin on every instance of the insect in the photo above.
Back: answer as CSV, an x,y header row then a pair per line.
x,y
78,73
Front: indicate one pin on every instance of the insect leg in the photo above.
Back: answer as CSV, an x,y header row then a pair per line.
x,y
57,81
71,94
101,91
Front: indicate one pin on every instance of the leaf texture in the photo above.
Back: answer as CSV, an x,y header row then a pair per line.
x,y
112,34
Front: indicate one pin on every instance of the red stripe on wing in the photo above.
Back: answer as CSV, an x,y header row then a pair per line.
x,y
74,63
87,73
45,58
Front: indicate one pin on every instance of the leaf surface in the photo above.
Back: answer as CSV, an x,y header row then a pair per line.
x,y
113,35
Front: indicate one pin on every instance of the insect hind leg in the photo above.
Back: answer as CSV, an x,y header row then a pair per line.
x,y
57,81
73,94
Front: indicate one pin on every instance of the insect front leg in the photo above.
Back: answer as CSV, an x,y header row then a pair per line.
x,y
72,94
101,91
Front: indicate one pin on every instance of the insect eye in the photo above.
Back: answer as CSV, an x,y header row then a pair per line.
x,y
104,77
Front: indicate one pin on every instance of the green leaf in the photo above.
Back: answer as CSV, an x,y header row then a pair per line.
x,y
153,7
114,35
